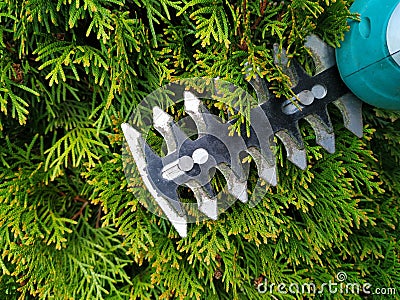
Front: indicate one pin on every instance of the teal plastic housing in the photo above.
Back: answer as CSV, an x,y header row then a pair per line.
x,y
365,63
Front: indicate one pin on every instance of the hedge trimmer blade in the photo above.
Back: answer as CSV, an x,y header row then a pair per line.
x,y
191,162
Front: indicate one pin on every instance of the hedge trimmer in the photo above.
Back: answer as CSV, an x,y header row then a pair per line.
x,y
190,162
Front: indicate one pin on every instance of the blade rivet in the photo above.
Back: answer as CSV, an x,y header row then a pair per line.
x,y
306,97
185,163
200,156
319,91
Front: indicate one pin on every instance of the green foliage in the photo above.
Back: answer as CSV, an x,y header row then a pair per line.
x,y
72,227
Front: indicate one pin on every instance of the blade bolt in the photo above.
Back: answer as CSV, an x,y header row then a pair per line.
x,y
306,97
319,91
200,156
185,163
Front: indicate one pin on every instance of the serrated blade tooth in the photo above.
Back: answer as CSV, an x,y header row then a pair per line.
x,y
323,117
236,187
323,132
351,108
136,145
206,204
260,86
297,155
281,59
323,129
162,122
194,107
323,55
293,132
265,170
172,133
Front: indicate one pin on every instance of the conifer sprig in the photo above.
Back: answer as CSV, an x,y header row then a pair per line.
x,y
72,227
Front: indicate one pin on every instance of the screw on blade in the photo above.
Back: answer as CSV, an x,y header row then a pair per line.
x,y
136,145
